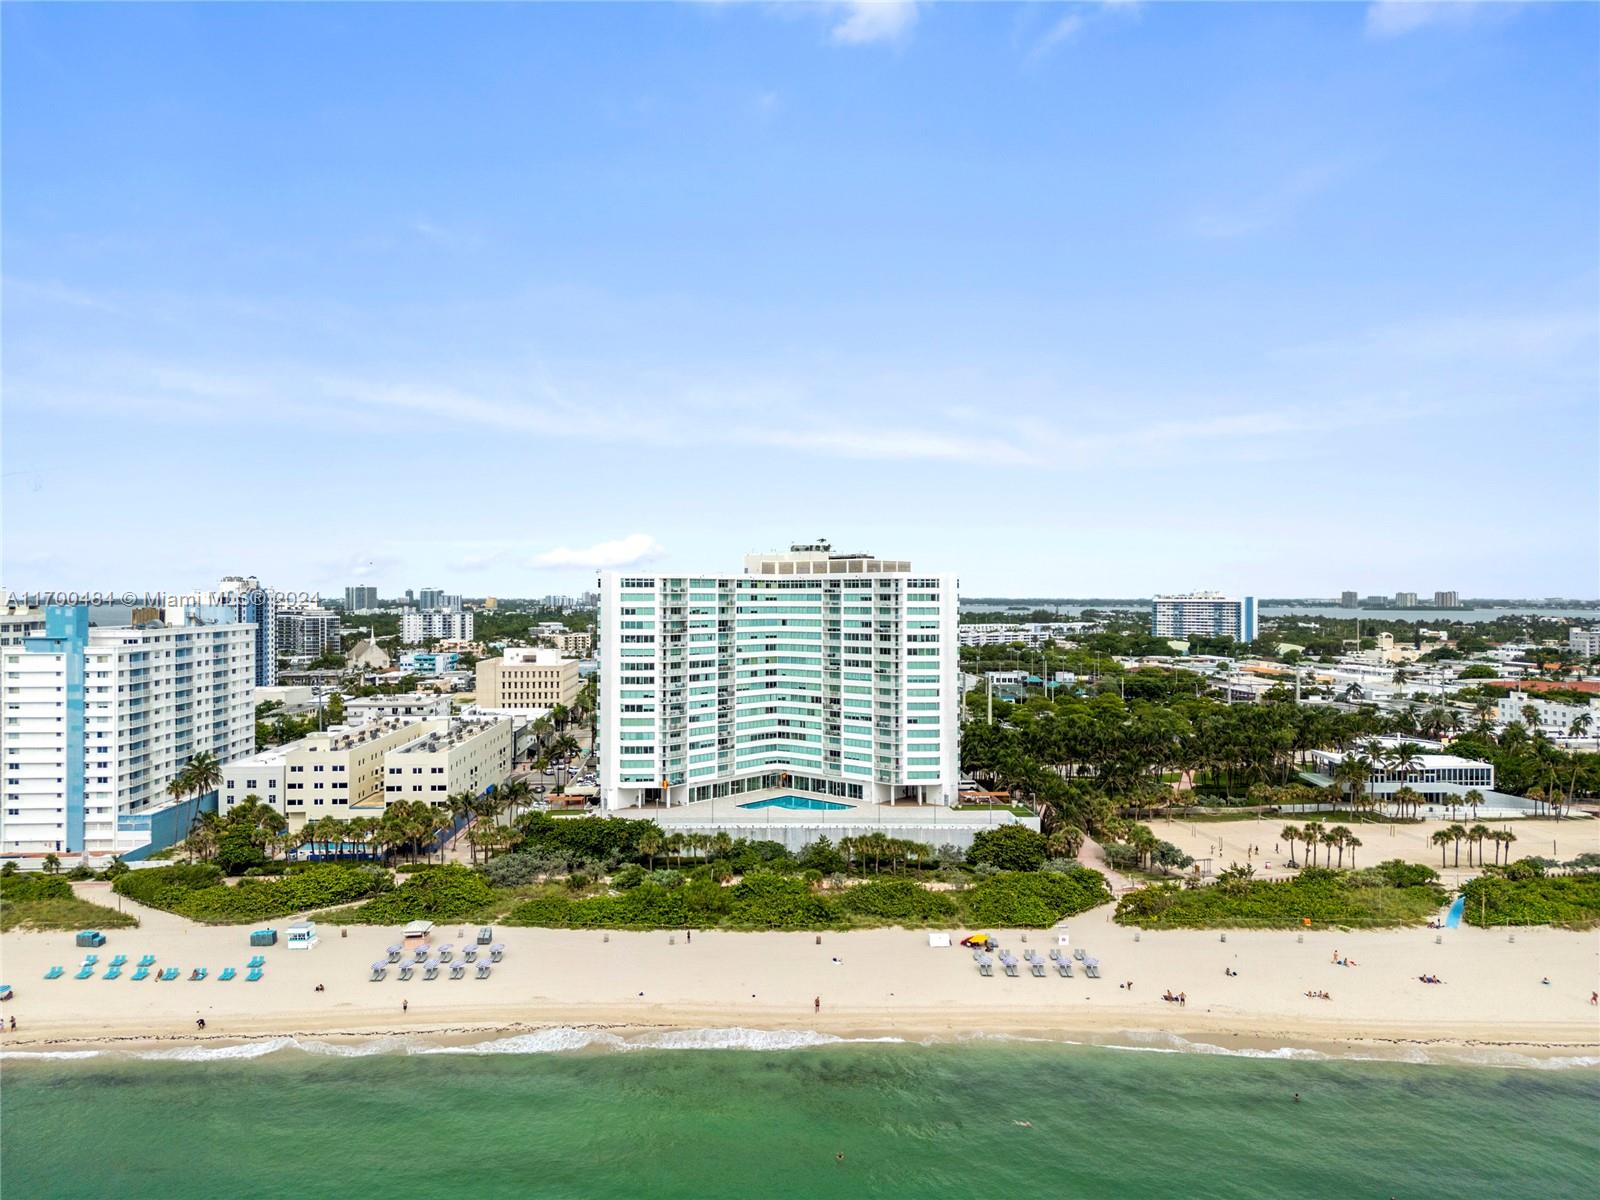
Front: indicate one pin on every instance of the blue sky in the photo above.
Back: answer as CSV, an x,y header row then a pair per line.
x,y
1066,299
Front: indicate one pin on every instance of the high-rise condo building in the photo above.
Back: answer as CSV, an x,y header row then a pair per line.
x,y
418,627
1405,599
307,631
1207,614
1348,600
1447,600
101,719
811,674
244,596
360,598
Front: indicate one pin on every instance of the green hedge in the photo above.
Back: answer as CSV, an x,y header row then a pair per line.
x,y
1572,901
196,891
775,901
436,893
34,887
1018,900
1354,899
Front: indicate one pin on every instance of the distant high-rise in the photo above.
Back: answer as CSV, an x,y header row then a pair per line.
x,y
1447,600
359,599
430,598
1207,614
1349,600
1405,599
245,598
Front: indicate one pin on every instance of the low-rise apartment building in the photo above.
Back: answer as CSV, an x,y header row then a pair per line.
x,y
467,754
418,627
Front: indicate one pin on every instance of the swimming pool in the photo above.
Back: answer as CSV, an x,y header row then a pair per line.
x,y
798,803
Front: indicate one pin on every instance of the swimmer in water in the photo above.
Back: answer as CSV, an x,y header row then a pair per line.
x,y
839,1157
1024,1124
1297,1097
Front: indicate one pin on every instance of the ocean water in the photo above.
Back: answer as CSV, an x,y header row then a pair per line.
x,y
567,1113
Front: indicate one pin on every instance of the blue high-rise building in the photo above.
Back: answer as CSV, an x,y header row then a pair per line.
x,y
250,602
1206,614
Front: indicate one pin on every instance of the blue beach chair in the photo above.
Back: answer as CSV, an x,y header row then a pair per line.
x,y
85,972
118,960
255,974
197,975
147,960
256,960
114,973
169,974
54,973
227,974
142,973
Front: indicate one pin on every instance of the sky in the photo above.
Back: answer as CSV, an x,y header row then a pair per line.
x,y
1065,299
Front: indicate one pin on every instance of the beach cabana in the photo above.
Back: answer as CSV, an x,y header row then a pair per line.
x,y
264,937
419,929
302,936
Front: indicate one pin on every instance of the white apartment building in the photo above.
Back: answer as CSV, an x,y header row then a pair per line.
x,y
811,674
1208,614
418,627
19,622
364,710
573,644
1031,634
467,754
527,678
1584,641
100,719
1552,716
307,631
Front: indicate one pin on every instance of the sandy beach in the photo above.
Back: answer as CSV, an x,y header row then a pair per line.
x,y
871,983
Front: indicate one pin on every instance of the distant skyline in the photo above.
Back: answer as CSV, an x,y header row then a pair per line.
x,y
1078,299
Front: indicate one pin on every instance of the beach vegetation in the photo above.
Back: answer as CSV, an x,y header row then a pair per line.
x,y
1391,894
1009,847
197,890
48,902
448,892
1570,901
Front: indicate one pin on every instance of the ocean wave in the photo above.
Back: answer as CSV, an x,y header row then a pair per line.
x,y
1172,1043
563,1039
49,1054
544,1041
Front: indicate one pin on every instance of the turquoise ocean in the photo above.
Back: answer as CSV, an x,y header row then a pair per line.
x,y
563,1114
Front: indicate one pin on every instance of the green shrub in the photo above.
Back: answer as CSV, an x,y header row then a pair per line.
x,y
34,887
1034,900
517,870
196,891
1361,899
1397,872
1010,848
766,901
1572,901
898,902
440,893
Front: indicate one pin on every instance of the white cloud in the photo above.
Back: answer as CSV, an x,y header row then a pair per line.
x,y
629,551
1270,208
1395,18
868,21
1067,27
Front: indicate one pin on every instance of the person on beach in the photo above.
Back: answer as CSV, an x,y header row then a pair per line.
x,y
1594,998
405,1005
816,1005
199,1022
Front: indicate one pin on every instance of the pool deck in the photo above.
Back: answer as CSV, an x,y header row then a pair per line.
x,y
931,823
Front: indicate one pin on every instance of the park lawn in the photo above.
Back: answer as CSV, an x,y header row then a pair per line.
x,y
61,913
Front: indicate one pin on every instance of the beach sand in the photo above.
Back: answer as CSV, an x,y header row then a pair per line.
x,y
884,983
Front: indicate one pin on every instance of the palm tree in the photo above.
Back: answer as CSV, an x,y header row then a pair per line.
x,y
1339,837
1506,837
1405,760
1472,799
1581,725
52,864
1441,839
1457,832
651,843
1352,841
1476,835
1406,796
1311,834
1290,834
1065,841
1353,772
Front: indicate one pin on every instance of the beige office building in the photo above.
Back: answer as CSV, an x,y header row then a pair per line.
x,y
527,678
577,645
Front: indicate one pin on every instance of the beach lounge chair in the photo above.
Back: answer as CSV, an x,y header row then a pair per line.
x,y
169,974
1091,968
54,973
147,960
1078,954
118,960
254,976
379,970
85,971
422,952
406,970
1008,964
447,952
256,960
430,969
496,952
1055,956
1064,967
1038,967
227,974
114,973
483,970
196,975
89,960
394,952
142,973
470,954
458,970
